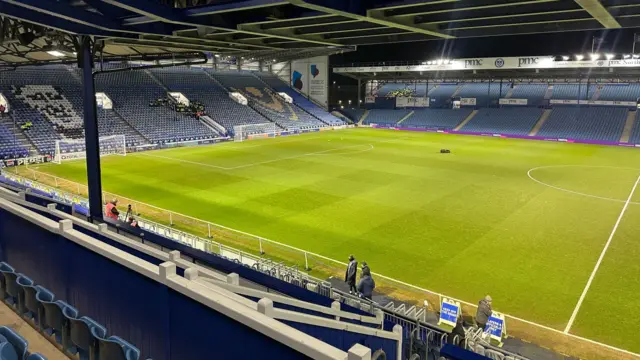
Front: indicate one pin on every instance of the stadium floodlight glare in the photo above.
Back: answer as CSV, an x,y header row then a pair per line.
x,y
626,56
565,58
579,57
610,56
55,53
635,56
595,56
217,55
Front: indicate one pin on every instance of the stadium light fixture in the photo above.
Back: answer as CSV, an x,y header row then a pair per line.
x,y
626,56
595,56
349,102
610,56
55,53
635,56
565,58
441,62
339,101
579,57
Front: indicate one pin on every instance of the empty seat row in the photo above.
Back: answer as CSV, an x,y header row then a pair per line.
x,y
441,119
58,320
585,123
508,120
385,117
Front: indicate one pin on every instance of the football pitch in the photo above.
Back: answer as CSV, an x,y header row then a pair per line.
x,y
524,221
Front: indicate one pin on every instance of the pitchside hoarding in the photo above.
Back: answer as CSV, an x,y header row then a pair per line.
x,y
449,312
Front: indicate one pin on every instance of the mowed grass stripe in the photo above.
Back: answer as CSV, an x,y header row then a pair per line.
x,y
464,224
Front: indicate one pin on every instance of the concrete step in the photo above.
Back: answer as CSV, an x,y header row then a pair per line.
x,y
406,117
364,116
540,122
628,127
465,121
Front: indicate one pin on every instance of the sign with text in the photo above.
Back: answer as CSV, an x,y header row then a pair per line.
x,y
513,101
449,312
467,101
496,326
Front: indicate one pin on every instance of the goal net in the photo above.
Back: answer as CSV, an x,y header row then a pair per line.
x,y
254,131
72,149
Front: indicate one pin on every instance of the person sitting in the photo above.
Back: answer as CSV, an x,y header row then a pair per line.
x,y
459,331
133,222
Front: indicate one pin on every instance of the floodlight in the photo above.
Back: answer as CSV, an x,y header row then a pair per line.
x,y
579,57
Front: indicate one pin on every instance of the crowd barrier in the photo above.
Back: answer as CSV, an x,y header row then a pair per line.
x,y
281,278
165,315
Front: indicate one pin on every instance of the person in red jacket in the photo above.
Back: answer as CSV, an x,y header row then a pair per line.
x,y
111,211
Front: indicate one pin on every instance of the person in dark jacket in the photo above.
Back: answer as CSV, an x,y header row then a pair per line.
x,y
350,275
459,331
365,266
366,284
484,311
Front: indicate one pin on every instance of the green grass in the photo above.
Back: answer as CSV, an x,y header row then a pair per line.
x,y
465,224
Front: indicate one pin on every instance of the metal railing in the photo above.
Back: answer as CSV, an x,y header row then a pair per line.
x,y
414,327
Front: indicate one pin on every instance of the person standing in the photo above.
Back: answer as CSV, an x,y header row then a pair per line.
x,y
111,211
366,284
365,266
484,312
350,275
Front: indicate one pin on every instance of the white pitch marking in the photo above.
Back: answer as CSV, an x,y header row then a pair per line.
x,y
322,152
604,251
577,192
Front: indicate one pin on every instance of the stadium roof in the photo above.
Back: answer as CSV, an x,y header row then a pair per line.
x,y
285,29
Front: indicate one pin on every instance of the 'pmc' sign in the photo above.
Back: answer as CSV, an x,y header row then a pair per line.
x,y
528,61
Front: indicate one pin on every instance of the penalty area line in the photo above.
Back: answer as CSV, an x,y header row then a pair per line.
x,y
604,251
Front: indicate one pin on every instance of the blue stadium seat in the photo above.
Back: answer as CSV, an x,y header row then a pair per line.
x,y
440,119
54,322
114,348
385,117
18,343
635,131
7,352
599,123
13,291
36,356
26,285
508,120
81,336
4,268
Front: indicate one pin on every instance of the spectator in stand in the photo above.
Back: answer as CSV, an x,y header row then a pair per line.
x,y
2,110
366,284
350,275
111,211
484,311
133,222
457,330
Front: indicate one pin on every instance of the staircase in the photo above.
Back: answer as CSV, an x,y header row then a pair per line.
x,y
509,93
294,103
364,116
548,93
465,121
458,89
156,80
596,94
541,121
8,122
405,118
133,129
628,126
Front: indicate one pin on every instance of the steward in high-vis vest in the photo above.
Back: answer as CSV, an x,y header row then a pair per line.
x,y
111,211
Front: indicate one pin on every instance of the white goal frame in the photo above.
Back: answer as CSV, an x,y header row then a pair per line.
x,y
74,149
255,131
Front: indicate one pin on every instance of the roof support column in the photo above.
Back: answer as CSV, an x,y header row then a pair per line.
x,y
91,136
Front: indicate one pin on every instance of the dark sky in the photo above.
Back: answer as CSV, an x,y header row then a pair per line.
x,y
567,43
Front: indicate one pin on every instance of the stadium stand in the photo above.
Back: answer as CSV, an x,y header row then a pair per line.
x,y
133,91
354,114
635,133
266,101
572,91
585,123
298,99
13,346
442,119
417,90
196,85
385,117
486,94
620,92
10,147
508,120
441,94
534,93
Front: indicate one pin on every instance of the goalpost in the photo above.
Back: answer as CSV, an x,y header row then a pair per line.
x,y
255,131
72,149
